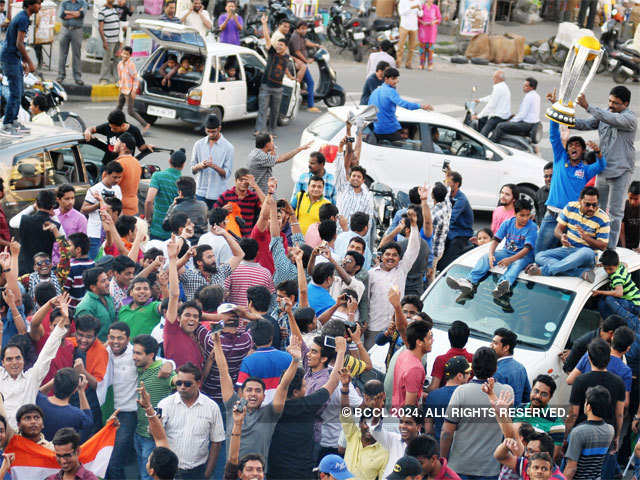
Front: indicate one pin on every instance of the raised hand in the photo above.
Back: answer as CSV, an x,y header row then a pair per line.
x,y
9,297
82,382
424,192
295,348
553,96
218,230
143,397
394,296
272,185
14,247
172,246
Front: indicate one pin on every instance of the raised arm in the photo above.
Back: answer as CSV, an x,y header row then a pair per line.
x,y
155,424
174,286
334,378
266,34
427,222
236,251
226,384
303,289
281,392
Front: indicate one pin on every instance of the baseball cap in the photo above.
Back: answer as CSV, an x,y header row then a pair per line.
x,y
335,466
405,467
227,308
456,365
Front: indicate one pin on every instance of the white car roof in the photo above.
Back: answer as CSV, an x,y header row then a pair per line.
x,y
630,258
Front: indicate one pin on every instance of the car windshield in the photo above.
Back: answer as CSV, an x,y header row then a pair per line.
x,y
538,309
188,38
326,127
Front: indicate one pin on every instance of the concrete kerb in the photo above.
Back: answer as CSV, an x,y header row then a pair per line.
x,y
97,92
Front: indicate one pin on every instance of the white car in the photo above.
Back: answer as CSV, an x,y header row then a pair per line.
x,y
194,95
550,312
484,165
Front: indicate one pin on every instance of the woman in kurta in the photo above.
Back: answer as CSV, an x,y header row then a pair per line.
x,y
428,31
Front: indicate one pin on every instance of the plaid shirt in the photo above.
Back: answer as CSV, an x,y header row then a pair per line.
x,y
441,215
302,185
192,280
127,77
285,269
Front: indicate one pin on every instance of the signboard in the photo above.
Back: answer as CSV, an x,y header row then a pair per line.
x,y
45,23
474,16
141,44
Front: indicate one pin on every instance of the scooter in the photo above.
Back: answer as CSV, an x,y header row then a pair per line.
x,y
355,36
379,29
327,88
626,62
340,17
610,40
525,143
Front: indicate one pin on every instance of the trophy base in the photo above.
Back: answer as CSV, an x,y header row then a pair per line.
x,y
561,114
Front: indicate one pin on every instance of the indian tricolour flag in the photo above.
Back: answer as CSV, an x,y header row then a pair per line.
x,y
34,462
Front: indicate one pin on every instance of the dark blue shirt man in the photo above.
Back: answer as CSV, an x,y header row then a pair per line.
x,y
386,98
461,223
372,82
510,371
12,57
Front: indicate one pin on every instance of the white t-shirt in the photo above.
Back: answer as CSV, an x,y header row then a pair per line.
x,y
408,14
195,20
221,248
94,223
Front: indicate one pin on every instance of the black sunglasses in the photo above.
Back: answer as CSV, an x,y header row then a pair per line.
x,y
186,383
589,204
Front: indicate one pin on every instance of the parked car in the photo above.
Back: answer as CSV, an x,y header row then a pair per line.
x,y
433,140
225,79
549,314
47,158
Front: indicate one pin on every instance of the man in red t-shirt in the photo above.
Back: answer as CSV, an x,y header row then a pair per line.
x,y
426,449
458,335
409,374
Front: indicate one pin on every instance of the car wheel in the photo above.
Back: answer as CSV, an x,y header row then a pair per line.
x,y
336,99
527,193
150,119
620,76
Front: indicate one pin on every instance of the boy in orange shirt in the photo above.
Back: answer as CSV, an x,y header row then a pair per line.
x,y
128,82
125,146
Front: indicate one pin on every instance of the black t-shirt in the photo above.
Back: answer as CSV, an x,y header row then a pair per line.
x,y
608,380
276,68
124,11
631,222
290,455
33,239
113,136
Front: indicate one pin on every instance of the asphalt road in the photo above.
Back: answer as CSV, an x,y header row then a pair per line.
x,y
446,88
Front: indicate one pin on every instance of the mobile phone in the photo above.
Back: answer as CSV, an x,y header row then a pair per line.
x,y
241,405
158,412
330,341
351,139
446,165
350,325
216,327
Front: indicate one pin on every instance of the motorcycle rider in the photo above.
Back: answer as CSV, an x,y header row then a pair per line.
x,y
528,115
498,107
298,47
386,98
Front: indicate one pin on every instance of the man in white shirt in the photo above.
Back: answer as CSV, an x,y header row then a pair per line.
x,y
198,18
409,11
193,423
528,115
221,249
498,107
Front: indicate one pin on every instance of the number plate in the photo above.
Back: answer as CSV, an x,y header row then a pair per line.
x,y
161,112
358,35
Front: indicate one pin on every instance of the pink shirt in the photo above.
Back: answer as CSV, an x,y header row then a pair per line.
x,y
72,222
408,377
500,214
312,237
179,346
247,274
428,33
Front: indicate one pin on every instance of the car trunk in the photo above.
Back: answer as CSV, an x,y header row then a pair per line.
x,y
180,84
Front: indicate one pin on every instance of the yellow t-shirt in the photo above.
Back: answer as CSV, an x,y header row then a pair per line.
x,y
308,212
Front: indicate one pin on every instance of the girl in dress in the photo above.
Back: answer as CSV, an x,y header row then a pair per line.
x,y
428,31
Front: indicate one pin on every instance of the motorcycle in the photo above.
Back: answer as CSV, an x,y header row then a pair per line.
x,y
327,88
385,206
340,17
626,63
355,36
379,29
526,143
610,40
278,10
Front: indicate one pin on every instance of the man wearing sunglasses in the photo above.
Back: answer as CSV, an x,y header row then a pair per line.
x,y
193,424
583,229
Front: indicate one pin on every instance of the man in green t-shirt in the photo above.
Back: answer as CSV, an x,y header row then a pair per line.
x,y
538,416
143,314
161,194
144,357
623,297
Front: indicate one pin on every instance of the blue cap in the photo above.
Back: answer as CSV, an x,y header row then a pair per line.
x,y
335,466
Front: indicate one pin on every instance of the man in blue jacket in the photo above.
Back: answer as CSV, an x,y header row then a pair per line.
x,y
386,98
570,175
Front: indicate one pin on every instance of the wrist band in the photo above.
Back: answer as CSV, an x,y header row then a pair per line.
x,y
236,434
151,416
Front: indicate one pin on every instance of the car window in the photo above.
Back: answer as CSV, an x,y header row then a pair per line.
x,y
411,137
539,310
326,127
449,141
92,157
588,320
62,166
228,68
28,171
250,60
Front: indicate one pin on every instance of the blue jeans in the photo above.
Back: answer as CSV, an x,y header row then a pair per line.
x,y
610,466
13,71
546,240
94,247
308,79
144,446
510,275
196,473
122,445
567,261
608,305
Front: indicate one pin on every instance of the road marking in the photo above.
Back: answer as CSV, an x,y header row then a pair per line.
x,y
448,108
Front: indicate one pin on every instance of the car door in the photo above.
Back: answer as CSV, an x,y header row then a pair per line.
x,y
65,166
228,86
399,164
482,169
26,179
253,69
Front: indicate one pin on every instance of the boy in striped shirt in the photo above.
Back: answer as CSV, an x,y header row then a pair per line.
x,y
583,229
623,297
80,262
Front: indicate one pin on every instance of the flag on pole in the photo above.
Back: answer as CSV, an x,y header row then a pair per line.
x,y
35,462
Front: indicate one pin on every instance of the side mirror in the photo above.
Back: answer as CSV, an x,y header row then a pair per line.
x,y
489,154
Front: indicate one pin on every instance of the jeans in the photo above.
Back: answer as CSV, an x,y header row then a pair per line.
x,y
511,273
144,446
608,305
196,473
488,124
94,246
592,5
13,71
402,39
70,36
122,445
568,261
269,100
308,79
514,128
128,100
546,240
609,466
613,194
109,61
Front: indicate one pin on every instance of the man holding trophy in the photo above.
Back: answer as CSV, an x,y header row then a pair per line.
x,y
617,130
